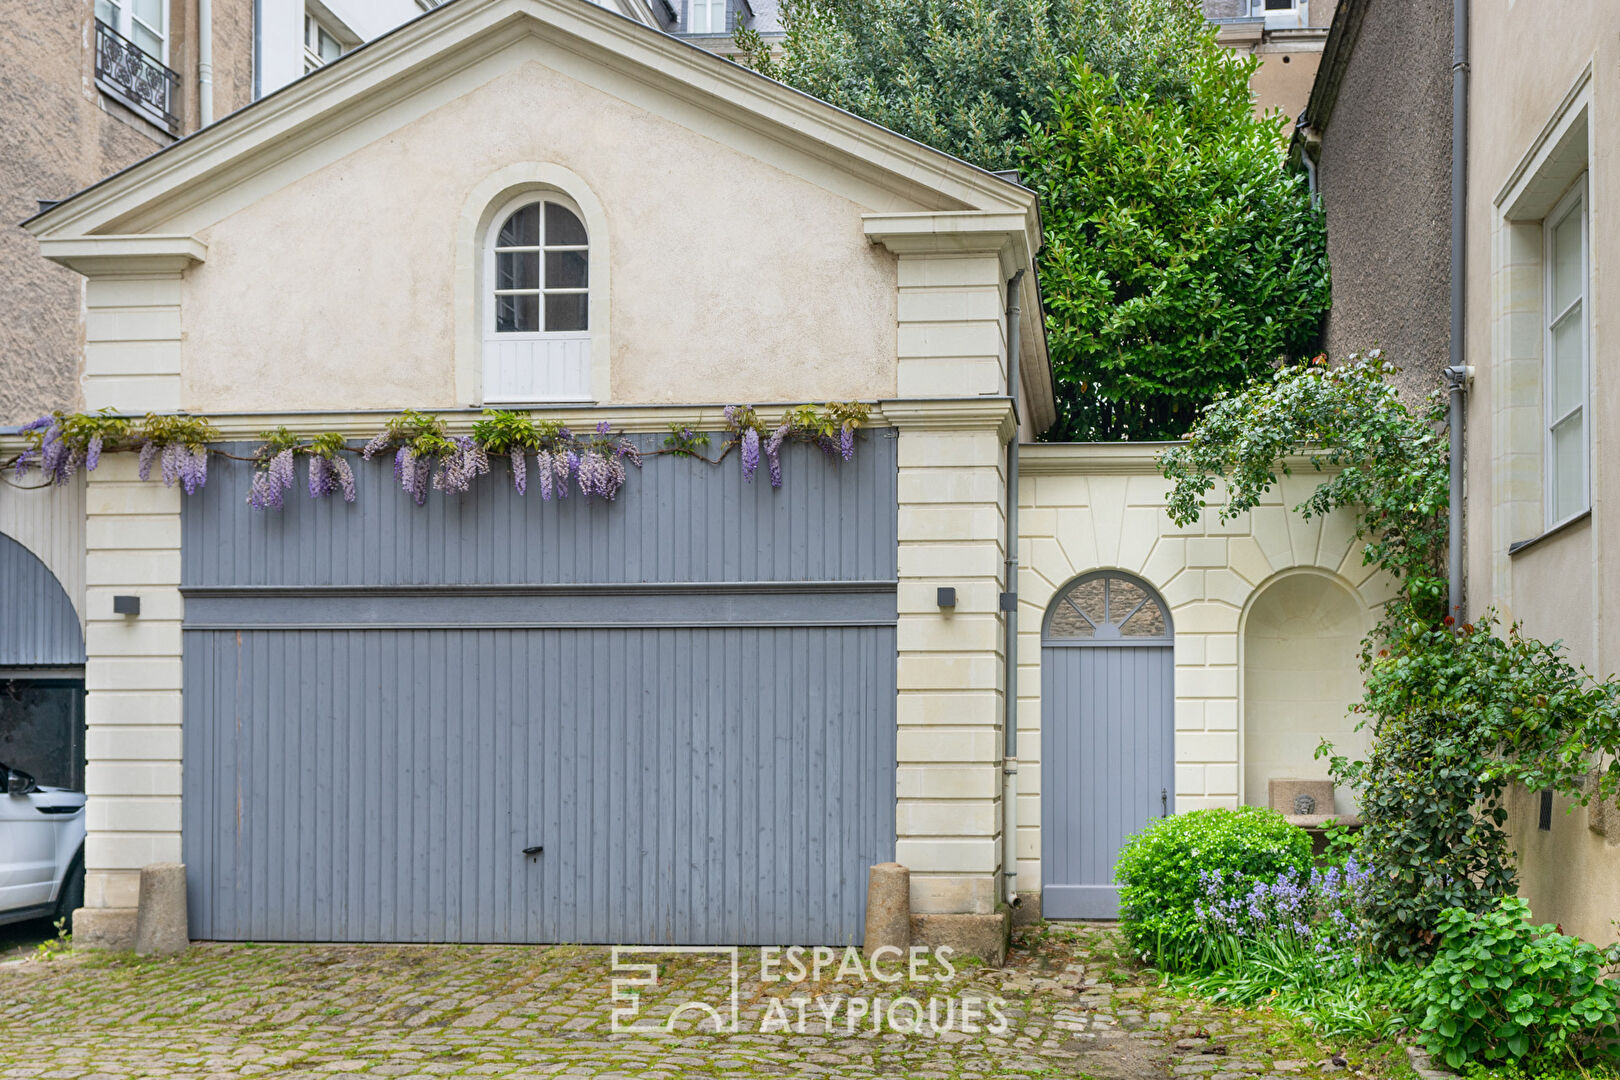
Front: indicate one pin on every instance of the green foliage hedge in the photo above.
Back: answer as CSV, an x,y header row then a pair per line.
x,y
1159,870
1502,989
1182,256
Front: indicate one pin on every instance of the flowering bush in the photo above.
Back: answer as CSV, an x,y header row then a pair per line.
x,y
1319,911
1162,874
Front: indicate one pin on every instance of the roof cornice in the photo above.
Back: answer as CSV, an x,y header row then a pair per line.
x,y
103,256
1336,53
425,50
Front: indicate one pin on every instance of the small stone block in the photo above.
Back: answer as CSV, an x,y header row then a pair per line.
x,y
888,907
160,920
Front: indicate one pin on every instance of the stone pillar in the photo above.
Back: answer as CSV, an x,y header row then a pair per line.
x,y
160,922
888,908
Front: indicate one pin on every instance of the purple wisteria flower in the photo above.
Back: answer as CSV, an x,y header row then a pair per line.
x,y
330,475
520,469
33,454
846,443
149,451
92,453
543,473
413,473
593,474
461,466
750,454
193,467
169,462
773,453
271,483
629,450
604,428
377,445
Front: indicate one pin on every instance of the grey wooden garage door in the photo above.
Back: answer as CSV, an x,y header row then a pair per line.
x,y
684,700
1107,736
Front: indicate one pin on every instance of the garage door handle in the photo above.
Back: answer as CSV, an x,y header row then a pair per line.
x,y
537,849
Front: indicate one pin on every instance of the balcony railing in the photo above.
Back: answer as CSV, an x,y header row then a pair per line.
x,y
127,74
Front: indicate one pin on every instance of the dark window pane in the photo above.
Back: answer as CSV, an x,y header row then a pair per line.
x,y
522,229
517,314
566,269
562,227
566,312
517,269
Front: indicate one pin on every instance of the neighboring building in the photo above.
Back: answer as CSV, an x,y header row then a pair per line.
x,y
1539,253
94,86
699,712
1286,35
1543,247
1377,132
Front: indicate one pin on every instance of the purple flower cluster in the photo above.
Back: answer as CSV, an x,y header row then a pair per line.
x,y
846,443
377,445
629,451
186,464
601,474
149,451
750,454
461,466
271,483
1318,911
55,457
520,469
329,475
773,453
413,473
543,472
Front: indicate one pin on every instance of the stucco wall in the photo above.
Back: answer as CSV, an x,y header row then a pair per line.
x,y
1385,178
1088,507
727,278
1563,586
62,134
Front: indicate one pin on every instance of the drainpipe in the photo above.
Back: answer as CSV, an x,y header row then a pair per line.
x,y
1009,610
205,62
1458,374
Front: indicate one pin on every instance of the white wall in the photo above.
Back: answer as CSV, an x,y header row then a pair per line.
x,y
281,31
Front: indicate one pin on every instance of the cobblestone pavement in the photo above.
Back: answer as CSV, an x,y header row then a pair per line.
x,y
1069,1002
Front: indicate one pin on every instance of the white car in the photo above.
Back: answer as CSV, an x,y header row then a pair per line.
x,y
41,849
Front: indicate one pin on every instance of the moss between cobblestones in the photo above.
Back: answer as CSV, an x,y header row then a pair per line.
x,y
1075,1004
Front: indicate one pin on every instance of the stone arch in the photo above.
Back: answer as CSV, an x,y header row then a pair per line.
x,y
1299,673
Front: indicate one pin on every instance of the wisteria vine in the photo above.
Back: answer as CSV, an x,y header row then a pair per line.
x,y
426,456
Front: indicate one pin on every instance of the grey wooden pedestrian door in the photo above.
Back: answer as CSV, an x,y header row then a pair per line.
x,y
1107,736
492,718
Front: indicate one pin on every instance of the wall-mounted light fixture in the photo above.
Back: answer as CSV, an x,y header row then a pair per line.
x,y
127,605
947,596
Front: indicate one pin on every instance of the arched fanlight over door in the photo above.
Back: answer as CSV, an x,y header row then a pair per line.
x,y
1107,608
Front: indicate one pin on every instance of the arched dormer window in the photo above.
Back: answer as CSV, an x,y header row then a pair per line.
x,y
537,336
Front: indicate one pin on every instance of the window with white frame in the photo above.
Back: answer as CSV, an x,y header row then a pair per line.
x,y
144,22
321,45
1567,468
706,17
537,303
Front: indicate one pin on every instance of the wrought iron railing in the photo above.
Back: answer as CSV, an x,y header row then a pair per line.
x,y
129,74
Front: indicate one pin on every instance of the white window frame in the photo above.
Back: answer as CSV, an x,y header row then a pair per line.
x,y
124,20
712,10
1575,201
568,348
314,27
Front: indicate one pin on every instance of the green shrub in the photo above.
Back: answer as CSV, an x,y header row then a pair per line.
x,y
1159,873
1500,988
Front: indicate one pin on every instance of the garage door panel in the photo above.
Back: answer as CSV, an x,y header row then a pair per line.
x,y
389,780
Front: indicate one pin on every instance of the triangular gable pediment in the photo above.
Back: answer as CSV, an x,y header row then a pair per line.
x,y
432,59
